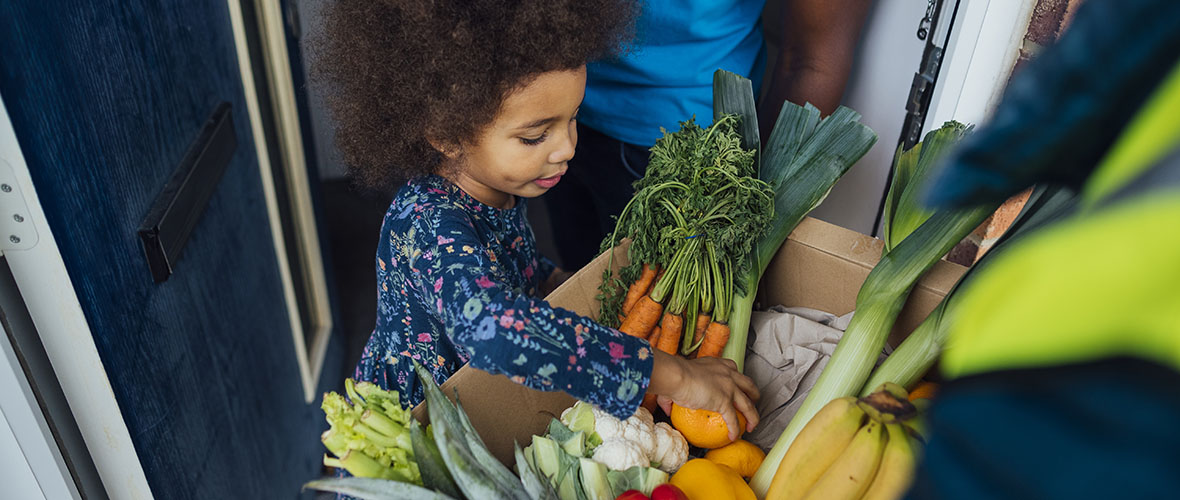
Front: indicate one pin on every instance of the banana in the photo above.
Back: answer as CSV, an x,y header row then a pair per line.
x,y
897,466
815,448
893,389
918,423
890,403
850,475
876,414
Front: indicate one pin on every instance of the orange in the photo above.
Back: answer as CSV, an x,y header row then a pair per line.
x,y
924,390
741,455
703,428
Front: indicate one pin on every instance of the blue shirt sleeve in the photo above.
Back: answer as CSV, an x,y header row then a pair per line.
x,y
505,331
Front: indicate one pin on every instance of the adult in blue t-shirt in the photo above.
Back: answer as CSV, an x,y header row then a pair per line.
x,y
667,77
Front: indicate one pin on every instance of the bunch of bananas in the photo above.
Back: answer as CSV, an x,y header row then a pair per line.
x,y
852,449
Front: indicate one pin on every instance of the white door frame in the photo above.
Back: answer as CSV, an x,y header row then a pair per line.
x,y
31,464
984,45
45,285
310,340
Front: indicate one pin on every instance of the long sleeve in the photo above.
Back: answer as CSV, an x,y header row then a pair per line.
x,y
502,330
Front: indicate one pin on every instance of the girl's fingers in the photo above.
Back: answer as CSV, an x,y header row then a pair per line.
x,y
664,404
744,405
731,421
746,384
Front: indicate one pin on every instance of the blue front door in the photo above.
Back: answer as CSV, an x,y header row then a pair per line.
x,y
106,98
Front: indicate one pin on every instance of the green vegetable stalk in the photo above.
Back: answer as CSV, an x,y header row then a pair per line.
x,y
801,161
884,291
368,434
922,348
696,213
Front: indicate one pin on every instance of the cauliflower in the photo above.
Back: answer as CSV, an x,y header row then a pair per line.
x,y
638,428
671,450
620,454
631,442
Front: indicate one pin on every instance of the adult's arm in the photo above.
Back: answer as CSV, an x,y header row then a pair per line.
x,y
816,41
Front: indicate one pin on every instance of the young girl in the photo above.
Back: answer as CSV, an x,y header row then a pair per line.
x,y
474,102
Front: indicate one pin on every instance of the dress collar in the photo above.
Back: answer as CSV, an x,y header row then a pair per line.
x,y
450,191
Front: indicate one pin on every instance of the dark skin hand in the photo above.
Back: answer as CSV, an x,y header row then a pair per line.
x,y
713,384
816,41
554,280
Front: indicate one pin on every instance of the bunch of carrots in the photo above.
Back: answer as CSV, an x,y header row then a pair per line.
x,y
693,221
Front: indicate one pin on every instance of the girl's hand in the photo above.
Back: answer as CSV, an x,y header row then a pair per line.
x,y
712,384
555,279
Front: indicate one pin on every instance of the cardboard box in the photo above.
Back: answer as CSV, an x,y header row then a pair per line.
x,y
820,266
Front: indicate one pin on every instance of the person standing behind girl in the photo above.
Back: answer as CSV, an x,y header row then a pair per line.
x,y
475,103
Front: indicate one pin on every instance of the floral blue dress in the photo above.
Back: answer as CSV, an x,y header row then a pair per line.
x,y
457,282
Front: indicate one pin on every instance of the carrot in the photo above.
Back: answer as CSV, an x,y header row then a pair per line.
x,y
716,336
670,329
702,323
655,336
643,318
639,288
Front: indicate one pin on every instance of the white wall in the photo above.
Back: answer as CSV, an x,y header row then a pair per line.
x,y
983,46
887,59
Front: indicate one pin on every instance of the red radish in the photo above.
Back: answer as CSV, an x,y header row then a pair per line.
x,y
667,492
632,495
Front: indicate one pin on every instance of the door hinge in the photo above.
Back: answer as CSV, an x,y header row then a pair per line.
x,y
16,227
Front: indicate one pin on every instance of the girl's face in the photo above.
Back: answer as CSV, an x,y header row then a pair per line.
x,y
524,152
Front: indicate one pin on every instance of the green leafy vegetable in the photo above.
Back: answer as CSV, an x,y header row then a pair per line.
x,y
368,433
375,489
803,158
696,213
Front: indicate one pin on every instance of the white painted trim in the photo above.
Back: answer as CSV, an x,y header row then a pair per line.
x,y
268,189
984,45
31,465
16,473
282,90
48,293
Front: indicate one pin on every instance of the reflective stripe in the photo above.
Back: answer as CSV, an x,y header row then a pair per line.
x,y
1103,284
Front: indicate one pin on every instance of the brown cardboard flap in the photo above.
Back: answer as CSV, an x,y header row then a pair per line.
x,y
579,293
503,411
820,266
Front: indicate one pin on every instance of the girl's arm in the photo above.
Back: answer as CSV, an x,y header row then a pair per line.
x,y
537,345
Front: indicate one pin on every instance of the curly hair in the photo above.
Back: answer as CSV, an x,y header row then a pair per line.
x,y
395,72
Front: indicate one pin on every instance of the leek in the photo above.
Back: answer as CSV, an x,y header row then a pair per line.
x,y
919,351
802,159
880,300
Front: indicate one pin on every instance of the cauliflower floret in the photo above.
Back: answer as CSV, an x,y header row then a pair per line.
x,y
620,454
641,432
606,425
671,450
638,428
645,416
